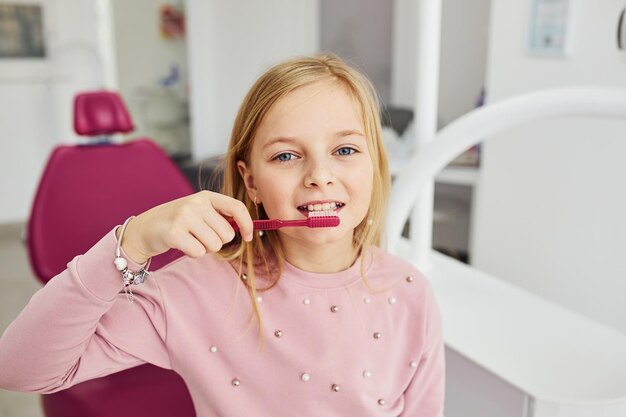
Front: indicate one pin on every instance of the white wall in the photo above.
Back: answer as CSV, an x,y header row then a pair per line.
x,y
463,61
36,98
230,44
143,58
464,40
361,32
551,203
233,43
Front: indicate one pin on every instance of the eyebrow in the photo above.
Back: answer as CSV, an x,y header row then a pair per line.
x,y
285,139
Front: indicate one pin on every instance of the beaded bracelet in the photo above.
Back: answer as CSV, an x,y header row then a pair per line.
x,y
129,277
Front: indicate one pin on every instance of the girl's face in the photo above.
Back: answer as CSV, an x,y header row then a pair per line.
x,y
310,151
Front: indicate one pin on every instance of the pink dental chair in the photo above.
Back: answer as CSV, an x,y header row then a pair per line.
x,y
84,192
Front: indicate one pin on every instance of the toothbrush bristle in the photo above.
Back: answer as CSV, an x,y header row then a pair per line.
x,y
327,218
323,213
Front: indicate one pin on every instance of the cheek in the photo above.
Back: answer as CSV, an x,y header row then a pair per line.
x,y
364,177
276,193
368,185
361,181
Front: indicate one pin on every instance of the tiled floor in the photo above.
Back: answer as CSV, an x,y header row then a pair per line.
x,y
17,285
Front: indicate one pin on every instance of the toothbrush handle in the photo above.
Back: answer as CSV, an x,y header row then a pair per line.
x,y
271,224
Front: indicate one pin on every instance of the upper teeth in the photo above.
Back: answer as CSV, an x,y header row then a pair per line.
x,y
318,207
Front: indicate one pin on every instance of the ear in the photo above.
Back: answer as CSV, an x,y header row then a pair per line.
x,y
248,179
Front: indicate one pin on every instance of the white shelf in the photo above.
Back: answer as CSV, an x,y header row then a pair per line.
x,y
563,360
449,175
458,176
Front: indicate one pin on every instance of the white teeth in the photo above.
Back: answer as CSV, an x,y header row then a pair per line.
x,y
320,207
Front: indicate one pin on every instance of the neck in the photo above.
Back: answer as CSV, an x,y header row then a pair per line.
x,y
326,258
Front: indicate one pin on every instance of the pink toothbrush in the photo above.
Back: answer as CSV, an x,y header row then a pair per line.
x,y
326,218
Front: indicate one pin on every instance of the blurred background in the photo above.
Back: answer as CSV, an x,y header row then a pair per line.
x,y
542,210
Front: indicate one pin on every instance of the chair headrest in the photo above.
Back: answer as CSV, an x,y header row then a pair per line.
x,y
100,113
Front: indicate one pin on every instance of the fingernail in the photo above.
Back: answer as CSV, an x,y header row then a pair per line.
x,y
249,237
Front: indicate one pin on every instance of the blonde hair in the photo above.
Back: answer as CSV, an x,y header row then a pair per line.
x,y
274,84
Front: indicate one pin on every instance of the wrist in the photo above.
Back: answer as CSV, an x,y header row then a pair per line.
x,y
129,246
130,275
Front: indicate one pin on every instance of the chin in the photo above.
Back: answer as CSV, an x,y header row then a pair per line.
x,y
319,236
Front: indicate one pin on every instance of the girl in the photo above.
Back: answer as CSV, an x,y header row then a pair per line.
x,y
342,327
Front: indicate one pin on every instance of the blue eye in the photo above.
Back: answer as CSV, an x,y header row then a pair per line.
x,y
281,156
350,151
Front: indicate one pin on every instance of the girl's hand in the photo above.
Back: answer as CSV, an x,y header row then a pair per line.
x,y
194,224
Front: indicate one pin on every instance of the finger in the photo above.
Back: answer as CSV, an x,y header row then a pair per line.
x,y
207,234
208,238
228,206
219,225
189,245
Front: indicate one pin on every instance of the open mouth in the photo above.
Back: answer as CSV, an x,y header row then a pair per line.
x,y
334,206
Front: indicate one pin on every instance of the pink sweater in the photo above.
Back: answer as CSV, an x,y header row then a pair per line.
x,y
384,350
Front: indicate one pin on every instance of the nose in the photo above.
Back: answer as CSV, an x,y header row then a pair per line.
x,y
318,174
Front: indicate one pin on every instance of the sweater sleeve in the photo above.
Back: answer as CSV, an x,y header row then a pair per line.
x,y
424,395
80,326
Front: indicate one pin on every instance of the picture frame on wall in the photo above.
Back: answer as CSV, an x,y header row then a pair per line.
x,y
172,21
550,28
21,31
